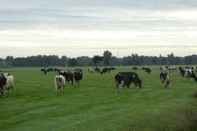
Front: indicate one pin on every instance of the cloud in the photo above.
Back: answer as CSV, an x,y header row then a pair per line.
x,y
97,24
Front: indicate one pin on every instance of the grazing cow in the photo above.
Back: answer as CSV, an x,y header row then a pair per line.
x,y
50,70
147,70
187,71
135,68
165,79
44,70
126,78
107,70
3,82
59,82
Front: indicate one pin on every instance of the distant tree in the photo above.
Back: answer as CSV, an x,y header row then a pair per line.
x,y
64,60
107,56
9,60
72,62
171,59
97,59
84,61
106,59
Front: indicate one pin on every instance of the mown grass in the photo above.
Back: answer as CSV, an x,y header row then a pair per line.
x,y
95,105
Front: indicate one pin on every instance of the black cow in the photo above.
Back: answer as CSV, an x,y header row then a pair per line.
x,y
50,69
78,75
107,70
3,82
44,70
135,68
165,79
147,70
182,71
126,78
68,75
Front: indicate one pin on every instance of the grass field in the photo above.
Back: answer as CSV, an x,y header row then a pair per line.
x,y
95,105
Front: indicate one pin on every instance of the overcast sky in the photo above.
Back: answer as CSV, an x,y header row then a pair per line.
x,y
88,27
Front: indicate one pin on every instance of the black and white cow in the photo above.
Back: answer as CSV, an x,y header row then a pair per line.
x,y
107,70
147,70
6,83
123,79
44,70
135,68
165,79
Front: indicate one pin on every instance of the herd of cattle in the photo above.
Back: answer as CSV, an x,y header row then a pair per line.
x,y
122,79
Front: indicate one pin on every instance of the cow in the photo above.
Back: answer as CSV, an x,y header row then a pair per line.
x,y
165,79
182,71
78,75
107,70
3,82
147,70
59,82
91,70
44,70
135,68
9,81
68,75
123,79
56,70
50,69
186,71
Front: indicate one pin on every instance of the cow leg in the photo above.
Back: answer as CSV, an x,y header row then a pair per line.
x,y
1,92
117,84
167,84
128,85
62,90
72,82
77,83
121,85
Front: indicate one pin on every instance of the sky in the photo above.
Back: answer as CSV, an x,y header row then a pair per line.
x,y
88,27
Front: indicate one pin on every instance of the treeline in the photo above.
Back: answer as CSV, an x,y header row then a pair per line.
x,y
107,59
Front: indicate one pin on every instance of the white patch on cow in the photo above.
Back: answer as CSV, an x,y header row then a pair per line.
x,y
10,81
121,84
